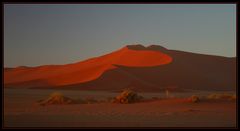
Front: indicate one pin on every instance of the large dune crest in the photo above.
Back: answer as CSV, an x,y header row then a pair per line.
x,y
84,71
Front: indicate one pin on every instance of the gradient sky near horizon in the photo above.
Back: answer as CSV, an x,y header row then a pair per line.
x,y
44,34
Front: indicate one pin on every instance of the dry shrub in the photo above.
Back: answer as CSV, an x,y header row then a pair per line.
x,y
127,96
194,99
222,96
56,98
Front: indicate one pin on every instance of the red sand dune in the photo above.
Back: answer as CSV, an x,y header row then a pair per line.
x,y
86,70
151,68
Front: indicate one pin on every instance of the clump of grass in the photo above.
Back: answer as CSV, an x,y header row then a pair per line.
x,y
221,96
56,98
194,99
127,96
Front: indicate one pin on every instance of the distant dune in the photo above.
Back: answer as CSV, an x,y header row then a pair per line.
x,y
151,68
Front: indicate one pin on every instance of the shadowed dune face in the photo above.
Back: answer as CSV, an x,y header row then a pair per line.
x,y
174,75
88,70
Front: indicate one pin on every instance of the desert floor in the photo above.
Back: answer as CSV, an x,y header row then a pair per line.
x,y
21,110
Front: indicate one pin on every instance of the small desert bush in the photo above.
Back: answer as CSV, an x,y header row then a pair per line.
x,y
56,98
194,99
221,96
127,96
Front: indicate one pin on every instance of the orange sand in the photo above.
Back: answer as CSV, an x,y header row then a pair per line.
x,y
55,75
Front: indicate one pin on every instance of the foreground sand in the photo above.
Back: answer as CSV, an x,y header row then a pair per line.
x,y
20,111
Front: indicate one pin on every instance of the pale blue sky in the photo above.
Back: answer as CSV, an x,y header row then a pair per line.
x,y
43,34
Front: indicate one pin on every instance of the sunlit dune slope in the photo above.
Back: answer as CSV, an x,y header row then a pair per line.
x,y
91,69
